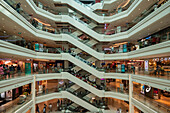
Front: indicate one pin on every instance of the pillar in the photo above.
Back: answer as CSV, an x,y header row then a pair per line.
x,y
131,106
97,63
99,47
33,94
66,64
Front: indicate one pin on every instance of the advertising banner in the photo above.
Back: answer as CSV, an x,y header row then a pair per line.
x,y
41,47
27,68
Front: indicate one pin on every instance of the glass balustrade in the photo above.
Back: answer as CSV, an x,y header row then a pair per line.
x,y
28,45
144,14
150,72
88,99
107,32
22,73
160,108
14,105
56,31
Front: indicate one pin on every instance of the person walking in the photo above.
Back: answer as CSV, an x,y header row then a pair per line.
x,y
44,109
50,107
120,110
8,72
11,68
1,72
19,70
37,109
5,71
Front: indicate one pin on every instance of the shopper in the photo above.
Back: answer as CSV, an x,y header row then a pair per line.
x,y
11,68
29,45
8,72
37,109
162,70
44,69
50,107
117,111
58,102
120,110
18,6
44,109
5,70
1,72
155,70
43,89
158,69
19,70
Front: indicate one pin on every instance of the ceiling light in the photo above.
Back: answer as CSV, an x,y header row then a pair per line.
x,y
148,0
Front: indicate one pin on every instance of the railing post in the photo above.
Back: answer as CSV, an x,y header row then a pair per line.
x,y
33,94
131,106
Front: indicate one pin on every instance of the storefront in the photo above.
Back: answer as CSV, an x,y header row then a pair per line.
x,y
160,64
41,87
12,94
155,38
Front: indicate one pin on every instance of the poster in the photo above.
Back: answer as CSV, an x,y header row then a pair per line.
x,y
124,48
36,46
146,65
27,68
9,95
41,47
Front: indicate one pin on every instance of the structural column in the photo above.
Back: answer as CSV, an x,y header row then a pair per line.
x,y
33,94
131,106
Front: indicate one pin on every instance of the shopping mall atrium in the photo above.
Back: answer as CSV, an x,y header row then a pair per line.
x,y
84,56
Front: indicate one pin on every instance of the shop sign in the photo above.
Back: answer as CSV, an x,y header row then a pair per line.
x,y
146,64
148,89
